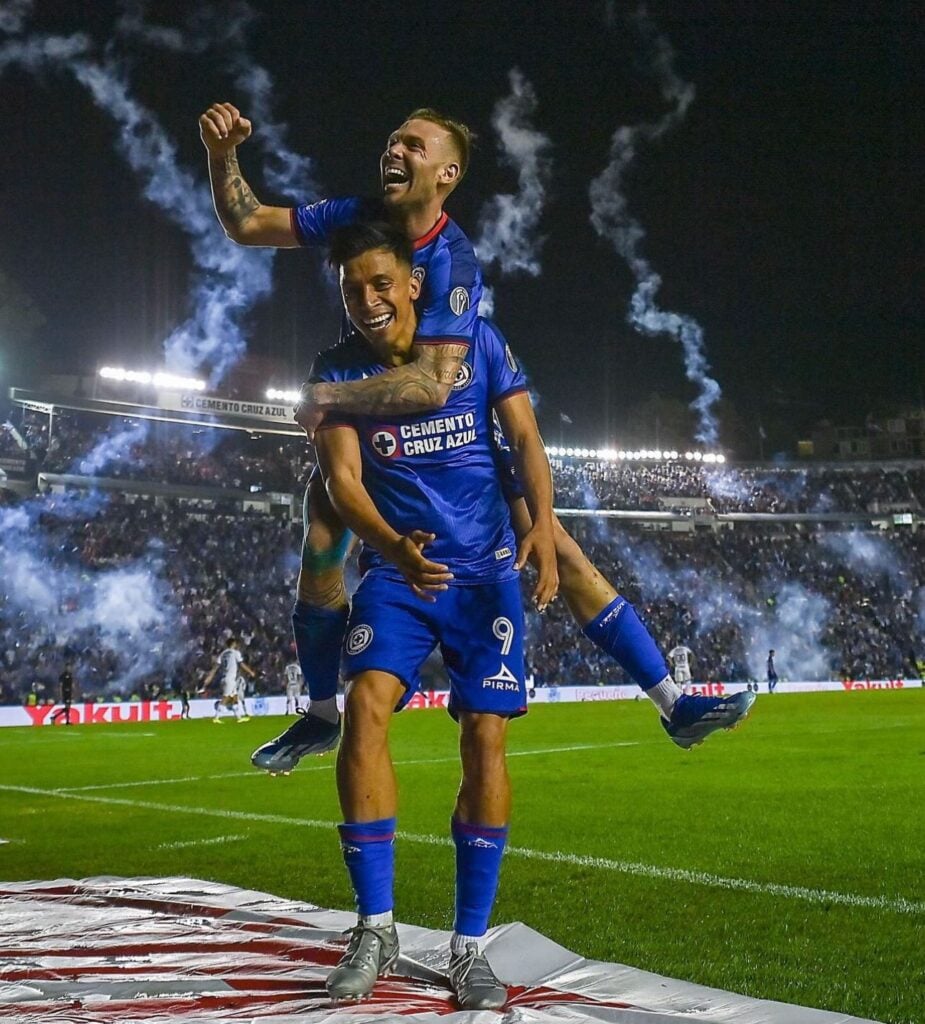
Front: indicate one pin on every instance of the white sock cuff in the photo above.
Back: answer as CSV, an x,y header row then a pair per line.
x,y
459,942
382,920
663,695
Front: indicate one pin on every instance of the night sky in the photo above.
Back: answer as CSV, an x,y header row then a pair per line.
x,y
784,213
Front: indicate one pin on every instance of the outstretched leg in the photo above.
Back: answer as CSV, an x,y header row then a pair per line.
x,y
611,622
606,618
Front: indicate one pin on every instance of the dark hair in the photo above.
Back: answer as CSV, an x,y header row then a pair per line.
x,y
353,240
463,137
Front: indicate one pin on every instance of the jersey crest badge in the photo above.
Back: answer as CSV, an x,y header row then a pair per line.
x,y
359,638
384,443
459,301
463,377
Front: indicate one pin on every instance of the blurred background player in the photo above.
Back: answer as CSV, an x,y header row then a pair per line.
x,y
772,673
66,682
680,658
242,694
228,664
292,677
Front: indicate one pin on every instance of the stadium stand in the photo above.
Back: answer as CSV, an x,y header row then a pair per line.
x,y
835,599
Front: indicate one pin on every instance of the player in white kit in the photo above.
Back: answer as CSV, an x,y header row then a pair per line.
x,y
292,674
229,661
680,658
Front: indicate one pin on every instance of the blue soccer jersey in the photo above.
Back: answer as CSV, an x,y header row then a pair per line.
x,y
444,263
437,472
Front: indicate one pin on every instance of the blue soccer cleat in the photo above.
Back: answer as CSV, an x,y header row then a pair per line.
x,y
308,734
693,718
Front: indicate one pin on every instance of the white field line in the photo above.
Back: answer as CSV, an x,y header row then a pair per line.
x,y
37,734
199,842
127,735
898,904
327,765
155,782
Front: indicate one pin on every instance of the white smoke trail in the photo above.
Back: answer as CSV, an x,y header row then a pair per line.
x,y
869,555
788,485
114,447
286,172
794,628
508,222
126,617
131,24
611,219
230,278
14,14
793,622
224,31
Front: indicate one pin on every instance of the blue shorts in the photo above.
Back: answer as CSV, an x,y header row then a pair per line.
x,y
479,630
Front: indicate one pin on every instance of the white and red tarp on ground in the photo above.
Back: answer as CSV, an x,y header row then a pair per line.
x,y
167,710
177,950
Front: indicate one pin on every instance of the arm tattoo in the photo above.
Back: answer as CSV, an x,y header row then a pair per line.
x,y
421,386
235,203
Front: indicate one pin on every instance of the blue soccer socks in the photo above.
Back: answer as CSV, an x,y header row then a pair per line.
x,y
369,853
319,636
479,849
619,631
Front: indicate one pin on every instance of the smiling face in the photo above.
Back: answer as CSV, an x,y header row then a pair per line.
x,y
379,292
421,163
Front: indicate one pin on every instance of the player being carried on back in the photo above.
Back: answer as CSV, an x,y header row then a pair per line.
x,y
424,160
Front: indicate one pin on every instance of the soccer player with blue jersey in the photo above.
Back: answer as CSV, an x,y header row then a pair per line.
x,y
404,484
424,160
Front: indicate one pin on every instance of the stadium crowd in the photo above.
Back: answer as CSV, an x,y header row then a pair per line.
x,y
655,486
833,604
211,587
209,457
131,449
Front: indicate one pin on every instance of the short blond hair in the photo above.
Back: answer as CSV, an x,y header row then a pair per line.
x,y
463,137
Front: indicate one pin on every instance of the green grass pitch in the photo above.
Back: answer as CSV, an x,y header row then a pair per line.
x,y
783,860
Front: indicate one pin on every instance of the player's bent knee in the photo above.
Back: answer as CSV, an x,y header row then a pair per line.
x,y
326,541
323,590
324,551
370,700
483,735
